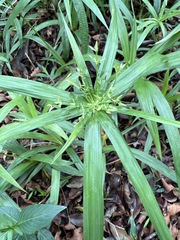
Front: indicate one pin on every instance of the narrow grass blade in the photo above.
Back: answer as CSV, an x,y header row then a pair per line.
x,y
45,44
168,41
9,106
150,63
125,11
16,173
94,172
133,43
16,10
83,32
55,187
68,11
145,101
76,160
83,71
155,163
148,116
29,153
151,9
107,62
7,177
136,175
34,89
94,8
164,110
14,130
150,161
123,34
79,126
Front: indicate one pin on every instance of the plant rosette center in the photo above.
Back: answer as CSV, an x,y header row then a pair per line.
x,y
103,103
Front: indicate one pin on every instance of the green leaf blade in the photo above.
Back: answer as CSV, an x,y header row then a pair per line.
x,y
94,170
136,175
35,217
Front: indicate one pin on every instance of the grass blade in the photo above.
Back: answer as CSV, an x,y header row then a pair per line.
x,y
144,97
16,10
106,66
79,126
94,171
14,130
83,71
83,32
150,63
9,106
7,177
164,110
94,8
55,186
136,175
150,161
148,116
34,89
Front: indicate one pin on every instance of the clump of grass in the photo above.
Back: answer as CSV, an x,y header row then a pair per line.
x,y
90,106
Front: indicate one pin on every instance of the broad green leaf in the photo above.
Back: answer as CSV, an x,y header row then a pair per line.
x,y
8,217
5,200
45,234
25,237
94,173
36,217
4,236
135,174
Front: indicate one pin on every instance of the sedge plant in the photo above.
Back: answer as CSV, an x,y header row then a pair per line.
x,y
94,106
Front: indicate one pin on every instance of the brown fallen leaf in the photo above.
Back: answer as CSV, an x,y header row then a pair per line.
x,y
173,209
78,234
166,185
118,232
174,231
35,71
